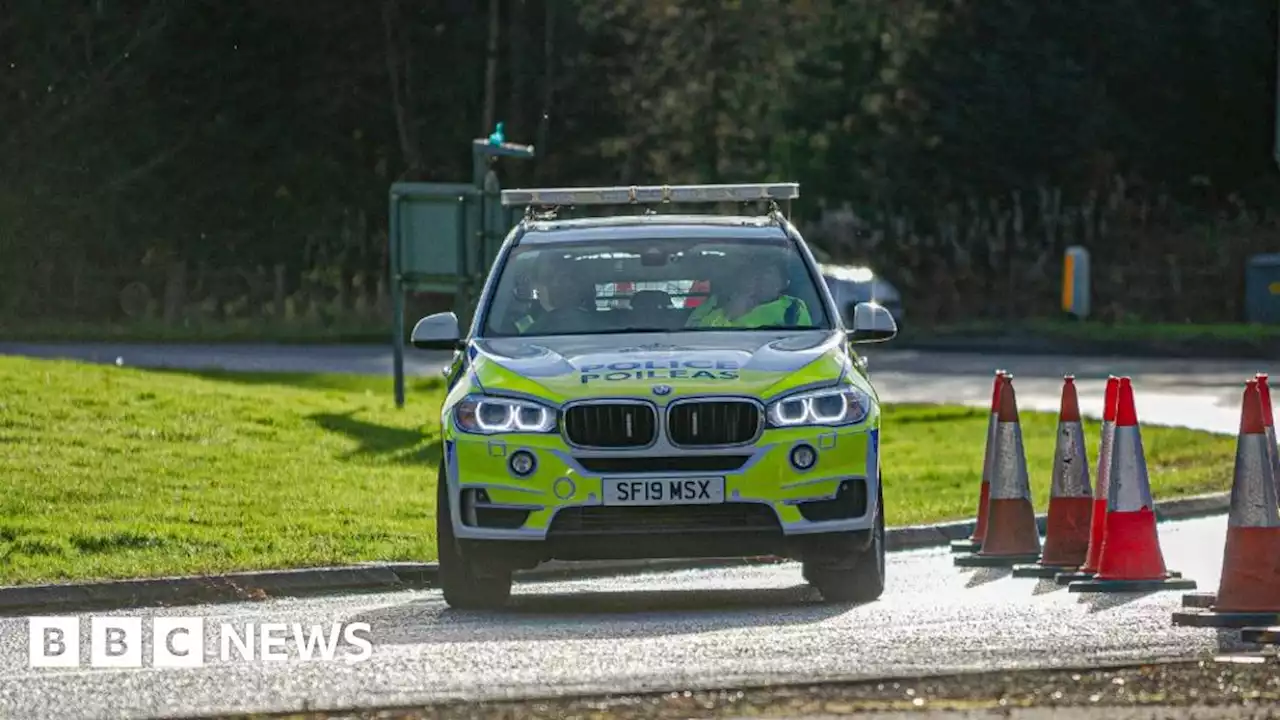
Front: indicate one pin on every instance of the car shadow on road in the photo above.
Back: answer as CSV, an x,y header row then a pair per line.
x,y
379,441
608,615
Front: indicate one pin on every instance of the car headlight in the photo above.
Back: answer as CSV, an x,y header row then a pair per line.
x,y
833,406
490,416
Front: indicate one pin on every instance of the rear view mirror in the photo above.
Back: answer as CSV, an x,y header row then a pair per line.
x,y
436,332
872,323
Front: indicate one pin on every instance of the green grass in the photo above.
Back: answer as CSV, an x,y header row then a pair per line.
x,y
932,458
120,472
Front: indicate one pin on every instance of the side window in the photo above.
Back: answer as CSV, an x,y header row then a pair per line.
x,y
514,291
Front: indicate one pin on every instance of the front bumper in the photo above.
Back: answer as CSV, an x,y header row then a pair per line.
x,y
769,507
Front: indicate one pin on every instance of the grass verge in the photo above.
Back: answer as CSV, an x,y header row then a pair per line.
x,y
120,472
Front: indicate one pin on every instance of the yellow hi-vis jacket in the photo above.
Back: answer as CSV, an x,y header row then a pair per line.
x,y
785,310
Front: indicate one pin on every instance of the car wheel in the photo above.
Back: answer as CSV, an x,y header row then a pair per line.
x,y
466,585
857,582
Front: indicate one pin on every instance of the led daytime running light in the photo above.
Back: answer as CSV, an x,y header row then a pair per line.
x,y
477,415
805,409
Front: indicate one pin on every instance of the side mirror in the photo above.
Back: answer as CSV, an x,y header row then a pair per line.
x,y
437,332
872,323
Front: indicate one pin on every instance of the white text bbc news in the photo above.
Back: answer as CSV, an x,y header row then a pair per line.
x,y
181,641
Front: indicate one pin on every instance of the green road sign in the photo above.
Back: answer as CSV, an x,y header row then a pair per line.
x,y
443,237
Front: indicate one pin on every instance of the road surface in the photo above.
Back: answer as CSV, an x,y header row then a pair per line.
x,y
665,631
675,630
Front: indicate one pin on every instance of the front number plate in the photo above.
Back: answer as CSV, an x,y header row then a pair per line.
x,y
663,491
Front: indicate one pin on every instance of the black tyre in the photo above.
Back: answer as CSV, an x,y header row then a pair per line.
x,y
466,585
858,579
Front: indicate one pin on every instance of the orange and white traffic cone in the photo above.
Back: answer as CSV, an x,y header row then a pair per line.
x,y
1206,598
1131,558
974,542
1269,422
1012,535
1098,519
1249,590
1066,539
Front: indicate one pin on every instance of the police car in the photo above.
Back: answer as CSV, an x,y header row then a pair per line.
x,y
657,385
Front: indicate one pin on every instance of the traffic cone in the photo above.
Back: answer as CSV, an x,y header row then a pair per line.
x,y
1269,423
1066,539
1207,598
974,542
1012,536
1098,519
1131,558
1249,590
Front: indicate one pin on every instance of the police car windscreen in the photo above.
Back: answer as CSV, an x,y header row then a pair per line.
x,y
660,285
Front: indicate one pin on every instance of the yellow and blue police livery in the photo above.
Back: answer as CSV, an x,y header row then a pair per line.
x,y
648,385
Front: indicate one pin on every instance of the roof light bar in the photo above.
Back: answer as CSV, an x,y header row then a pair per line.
x,y
639,194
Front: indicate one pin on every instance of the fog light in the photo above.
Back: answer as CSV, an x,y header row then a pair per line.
x,y
803,457
522,463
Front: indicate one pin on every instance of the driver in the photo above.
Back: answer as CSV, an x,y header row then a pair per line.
x,y
564,303
757,299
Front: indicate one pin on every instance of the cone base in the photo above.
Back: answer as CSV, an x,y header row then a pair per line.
x,y
1209,618
965,546
1261,635
1041,571
1199,599
1066,578
980,560
1073,575
1170,582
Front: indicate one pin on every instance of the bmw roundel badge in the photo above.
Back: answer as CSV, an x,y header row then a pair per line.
x,y
661,389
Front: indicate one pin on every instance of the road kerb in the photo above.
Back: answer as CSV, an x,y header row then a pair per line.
x,y
392,576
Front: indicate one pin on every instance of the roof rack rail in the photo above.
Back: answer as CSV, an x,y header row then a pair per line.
x,y
652,194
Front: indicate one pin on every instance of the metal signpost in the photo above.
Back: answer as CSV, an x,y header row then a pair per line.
x,y
444,236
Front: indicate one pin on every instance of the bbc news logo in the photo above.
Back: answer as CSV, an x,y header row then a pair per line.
x,y
176,642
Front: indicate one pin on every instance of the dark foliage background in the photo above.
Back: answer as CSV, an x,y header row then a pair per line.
x,y
192,159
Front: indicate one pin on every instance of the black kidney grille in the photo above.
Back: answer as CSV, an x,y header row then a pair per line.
x,y
610,425
719,422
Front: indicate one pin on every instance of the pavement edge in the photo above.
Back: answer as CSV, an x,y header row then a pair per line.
x,y
391,576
